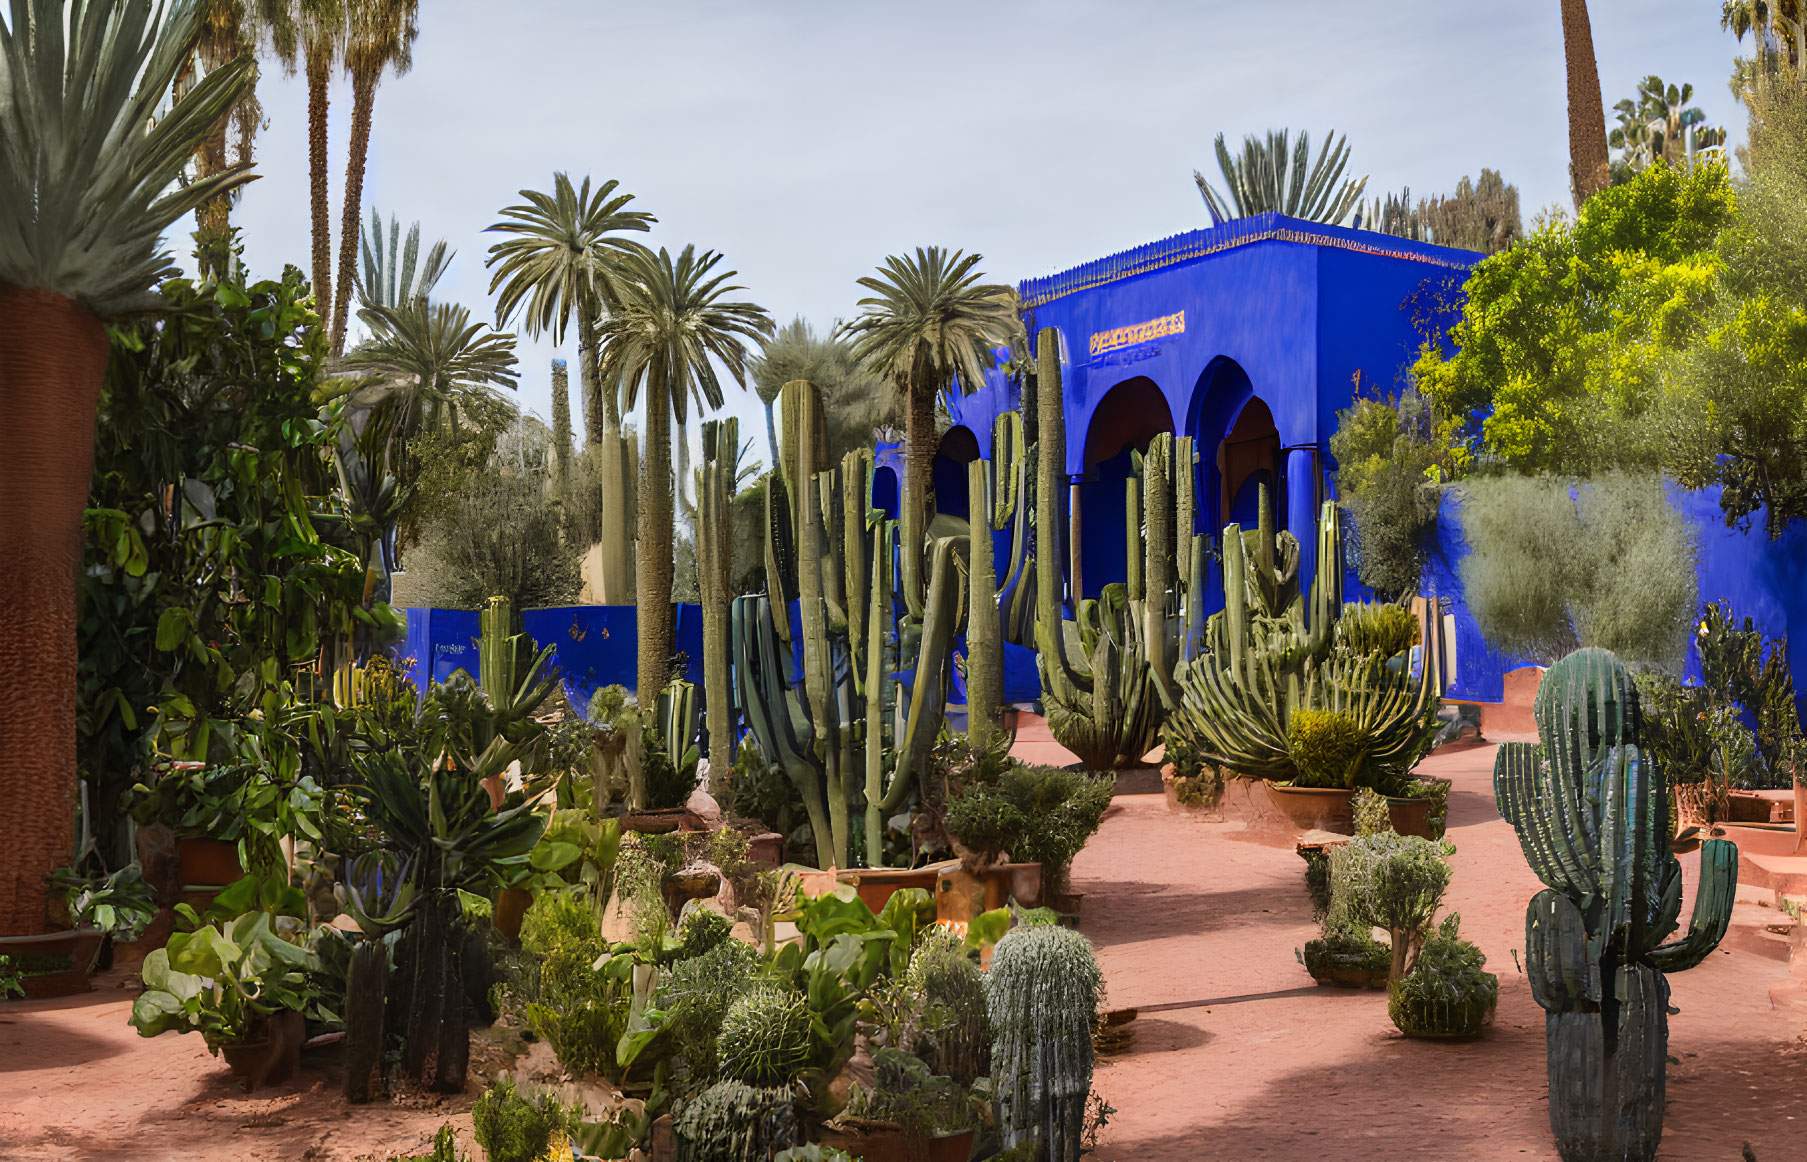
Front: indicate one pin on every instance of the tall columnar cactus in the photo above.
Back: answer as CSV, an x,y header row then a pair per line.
x,y
1042,996
820,724
1273,651
1592,814
1104,704
994,502
714,559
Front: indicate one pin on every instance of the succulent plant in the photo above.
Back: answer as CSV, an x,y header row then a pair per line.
x,y
765,1037
1591,810
1042,993
735,1122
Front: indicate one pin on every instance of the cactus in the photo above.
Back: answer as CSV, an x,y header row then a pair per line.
x,y
1273,652
994,500
714,558
1107,676
1042,994
1591,809
366,989
765,1037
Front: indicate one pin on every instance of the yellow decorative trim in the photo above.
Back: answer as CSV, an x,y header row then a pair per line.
x,y
1105,341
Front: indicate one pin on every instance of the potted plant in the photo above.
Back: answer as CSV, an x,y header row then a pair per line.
x,y
909,1112
1346,955
1445,994
241,982
1024,815
204,806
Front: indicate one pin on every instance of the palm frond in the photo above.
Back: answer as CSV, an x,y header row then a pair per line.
x,y
930,322
89,173
438,360
563,253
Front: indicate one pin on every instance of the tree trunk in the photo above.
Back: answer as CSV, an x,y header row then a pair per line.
x,y
319,92
437,1043
561,424
213,218
53,360
984,637
602,428
918,488
714,554
363,103
1589,169
1607,1072
588,380
652,564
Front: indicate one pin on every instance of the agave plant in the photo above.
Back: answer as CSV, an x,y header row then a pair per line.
x,y
1268,178
90,163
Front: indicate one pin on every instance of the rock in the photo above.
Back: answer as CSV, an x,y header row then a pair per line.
x,y
705,808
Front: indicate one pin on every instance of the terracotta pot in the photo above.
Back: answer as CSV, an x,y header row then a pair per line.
x,y
877,885
511,906
766,850
81,946
1410,816
955,1147
210,863
1315,808
1067,903
875,1141
273,1056
961,895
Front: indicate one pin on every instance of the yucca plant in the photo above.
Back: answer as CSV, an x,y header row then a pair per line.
x,y
89,168
1268,177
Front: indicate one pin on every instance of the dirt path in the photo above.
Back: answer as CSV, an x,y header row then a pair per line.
x,y
1238,1055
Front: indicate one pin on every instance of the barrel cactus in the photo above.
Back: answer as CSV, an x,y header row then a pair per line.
x,y
765,1038
1591,809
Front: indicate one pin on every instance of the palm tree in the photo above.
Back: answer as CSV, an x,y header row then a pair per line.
x,y
560,261
1780,27
1263,180
440,363
379,34
314,31
855,401
229,31
394,277
928,325
671,323
89,185
1590,170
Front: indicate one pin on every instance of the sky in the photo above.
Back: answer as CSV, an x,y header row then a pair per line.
x,y
808,139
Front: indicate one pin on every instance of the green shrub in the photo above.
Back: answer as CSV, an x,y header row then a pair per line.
x,y
668,784
445,1149
735,1122
1383,453
1378,630
765,1037
1372,815
580,1012
12,978
1445,993
511,1128
695,994
1389,881
1034,814
907,1092
1437,791
947,1025
1348,950
1327,746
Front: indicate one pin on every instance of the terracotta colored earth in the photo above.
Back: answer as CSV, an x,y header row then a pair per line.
x,y
1237,1055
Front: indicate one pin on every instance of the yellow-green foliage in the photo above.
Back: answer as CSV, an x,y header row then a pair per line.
x,y
579,1012
1327,746
1379,630
1371,814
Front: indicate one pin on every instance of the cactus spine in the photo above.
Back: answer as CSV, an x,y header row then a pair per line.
x,y
1592,814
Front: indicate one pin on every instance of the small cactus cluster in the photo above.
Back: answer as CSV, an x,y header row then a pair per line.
x,y
765,1038
1591,809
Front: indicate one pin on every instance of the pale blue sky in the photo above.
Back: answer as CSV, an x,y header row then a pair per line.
x,y
807,139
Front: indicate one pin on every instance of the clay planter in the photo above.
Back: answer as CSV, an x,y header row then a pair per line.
x,y
661,820
1410,816
204,862
1315,808
874,1141
271,1058
81,946
955,1147
766,850
876,885
511,907
961,895
1345,971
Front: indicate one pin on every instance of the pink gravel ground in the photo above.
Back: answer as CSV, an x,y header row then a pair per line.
x,y
1237,1054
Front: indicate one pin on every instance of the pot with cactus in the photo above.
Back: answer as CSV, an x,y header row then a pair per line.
x,y
1591,809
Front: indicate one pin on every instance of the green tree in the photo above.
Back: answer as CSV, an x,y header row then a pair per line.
x,y
439,363
855,400
1264,179
86,193
929,324
1388,467
672,322
1481,216
379,35
313,31
1561,347
1660,124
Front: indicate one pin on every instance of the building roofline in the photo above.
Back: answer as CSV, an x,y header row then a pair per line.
x,y
1197,244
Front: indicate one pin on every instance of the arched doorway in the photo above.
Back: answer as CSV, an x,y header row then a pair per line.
x,y
884,492
959,447
1130,415
1248,458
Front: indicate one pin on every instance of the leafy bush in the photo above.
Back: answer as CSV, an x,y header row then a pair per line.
x,y
511,1128
12,979
947,1025
668,784
499,536
1348,950
1034,814
765,1037
695,994
1372,816
1739,666
1393,882
1445,993
735,1122
1385,454
1327,746
1378,630
1437,791
906,1092
580,1012
445,1149
1612,566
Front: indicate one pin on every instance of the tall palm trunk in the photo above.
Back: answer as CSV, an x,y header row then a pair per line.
x,y
602,430
561,425
363,104
919,485
53,359
1589,168
213,218
319,70
653,560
